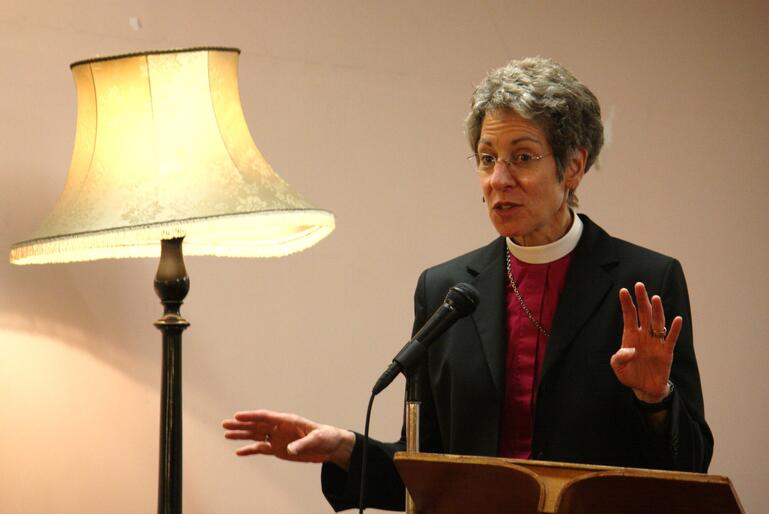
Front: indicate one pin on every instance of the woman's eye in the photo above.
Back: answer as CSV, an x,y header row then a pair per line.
x,y
523,157
487,160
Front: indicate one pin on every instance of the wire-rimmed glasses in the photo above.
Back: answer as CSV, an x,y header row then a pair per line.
x,y
486,162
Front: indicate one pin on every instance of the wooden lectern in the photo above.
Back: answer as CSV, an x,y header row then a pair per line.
x,y
454,484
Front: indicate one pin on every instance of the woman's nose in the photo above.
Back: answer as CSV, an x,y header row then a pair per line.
x,y
501,176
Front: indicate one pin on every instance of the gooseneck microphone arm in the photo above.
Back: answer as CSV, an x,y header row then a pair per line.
x,y
461,300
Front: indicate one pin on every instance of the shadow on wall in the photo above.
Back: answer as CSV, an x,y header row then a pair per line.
x,y
85,305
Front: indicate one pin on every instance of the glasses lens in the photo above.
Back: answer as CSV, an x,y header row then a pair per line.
x,y
485,162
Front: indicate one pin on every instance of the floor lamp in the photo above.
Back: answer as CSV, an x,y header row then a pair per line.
x,y
163,155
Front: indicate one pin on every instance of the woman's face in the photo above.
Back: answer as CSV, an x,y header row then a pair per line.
x,y
526,201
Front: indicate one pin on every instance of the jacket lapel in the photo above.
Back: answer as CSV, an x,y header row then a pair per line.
x,y
587,283
490,316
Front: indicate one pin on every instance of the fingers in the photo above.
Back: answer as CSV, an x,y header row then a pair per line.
x,y
245,434
675,331
247,430
649,317
282,435
658,315
644,306
231,424
258,431
311,448
265,416
629,317
258,448
271,421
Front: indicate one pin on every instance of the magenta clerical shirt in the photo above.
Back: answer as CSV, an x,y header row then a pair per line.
x,y
539,284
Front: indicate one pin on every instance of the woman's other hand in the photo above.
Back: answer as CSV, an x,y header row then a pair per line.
x,y
290,437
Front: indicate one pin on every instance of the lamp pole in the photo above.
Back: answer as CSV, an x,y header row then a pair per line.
x,y
171,286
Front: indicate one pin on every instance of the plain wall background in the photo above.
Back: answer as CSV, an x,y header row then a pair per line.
x,y
360,106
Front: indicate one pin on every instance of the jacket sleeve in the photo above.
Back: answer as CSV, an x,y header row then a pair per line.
x,y
688,443
384,487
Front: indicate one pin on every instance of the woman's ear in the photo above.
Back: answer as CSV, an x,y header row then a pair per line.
x,y
575,168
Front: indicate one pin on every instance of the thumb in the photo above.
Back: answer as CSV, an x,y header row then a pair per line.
x,y
306,444
622,357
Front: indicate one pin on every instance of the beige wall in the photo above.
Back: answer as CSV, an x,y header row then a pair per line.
x,y
359,105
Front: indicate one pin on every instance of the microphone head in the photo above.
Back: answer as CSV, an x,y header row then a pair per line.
x,y
463,298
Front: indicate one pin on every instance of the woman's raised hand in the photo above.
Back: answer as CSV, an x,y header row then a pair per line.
x,y
645,356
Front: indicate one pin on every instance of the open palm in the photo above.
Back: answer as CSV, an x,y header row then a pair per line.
x,y
288,437
645,356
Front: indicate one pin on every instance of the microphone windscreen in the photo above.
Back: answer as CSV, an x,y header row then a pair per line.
x,y
463,297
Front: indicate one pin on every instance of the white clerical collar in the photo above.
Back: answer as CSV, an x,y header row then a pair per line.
x,y
551,251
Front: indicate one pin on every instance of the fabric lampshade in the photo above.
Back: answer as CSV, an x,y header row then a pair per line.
x,y
162,150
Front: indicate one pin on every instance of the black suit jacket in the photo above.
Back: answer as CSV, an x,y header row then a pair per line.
x,y
582,414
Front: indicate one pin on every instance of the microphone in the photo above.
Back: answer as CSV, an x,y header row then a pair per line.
x,y
461,300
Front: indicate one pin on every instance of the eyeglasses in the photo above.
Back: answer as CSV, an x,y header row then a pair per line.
x,y
485,163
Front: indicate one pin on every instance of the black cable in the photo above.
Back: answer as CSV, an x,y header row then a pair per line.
x,y
364,459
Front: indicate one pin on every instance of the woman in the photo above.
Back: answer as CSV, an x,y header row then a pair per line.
x,y
551,366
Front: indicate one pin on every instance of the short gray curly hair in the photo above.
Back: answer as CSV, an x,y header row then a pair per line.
x,y
542,90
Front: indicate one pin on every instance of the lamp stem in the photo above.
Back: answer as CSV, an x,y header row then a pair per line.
x,y
171,286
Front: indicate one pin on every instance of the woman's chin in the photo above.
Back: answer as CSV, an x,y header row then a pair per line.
x,y
506,230
506,226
